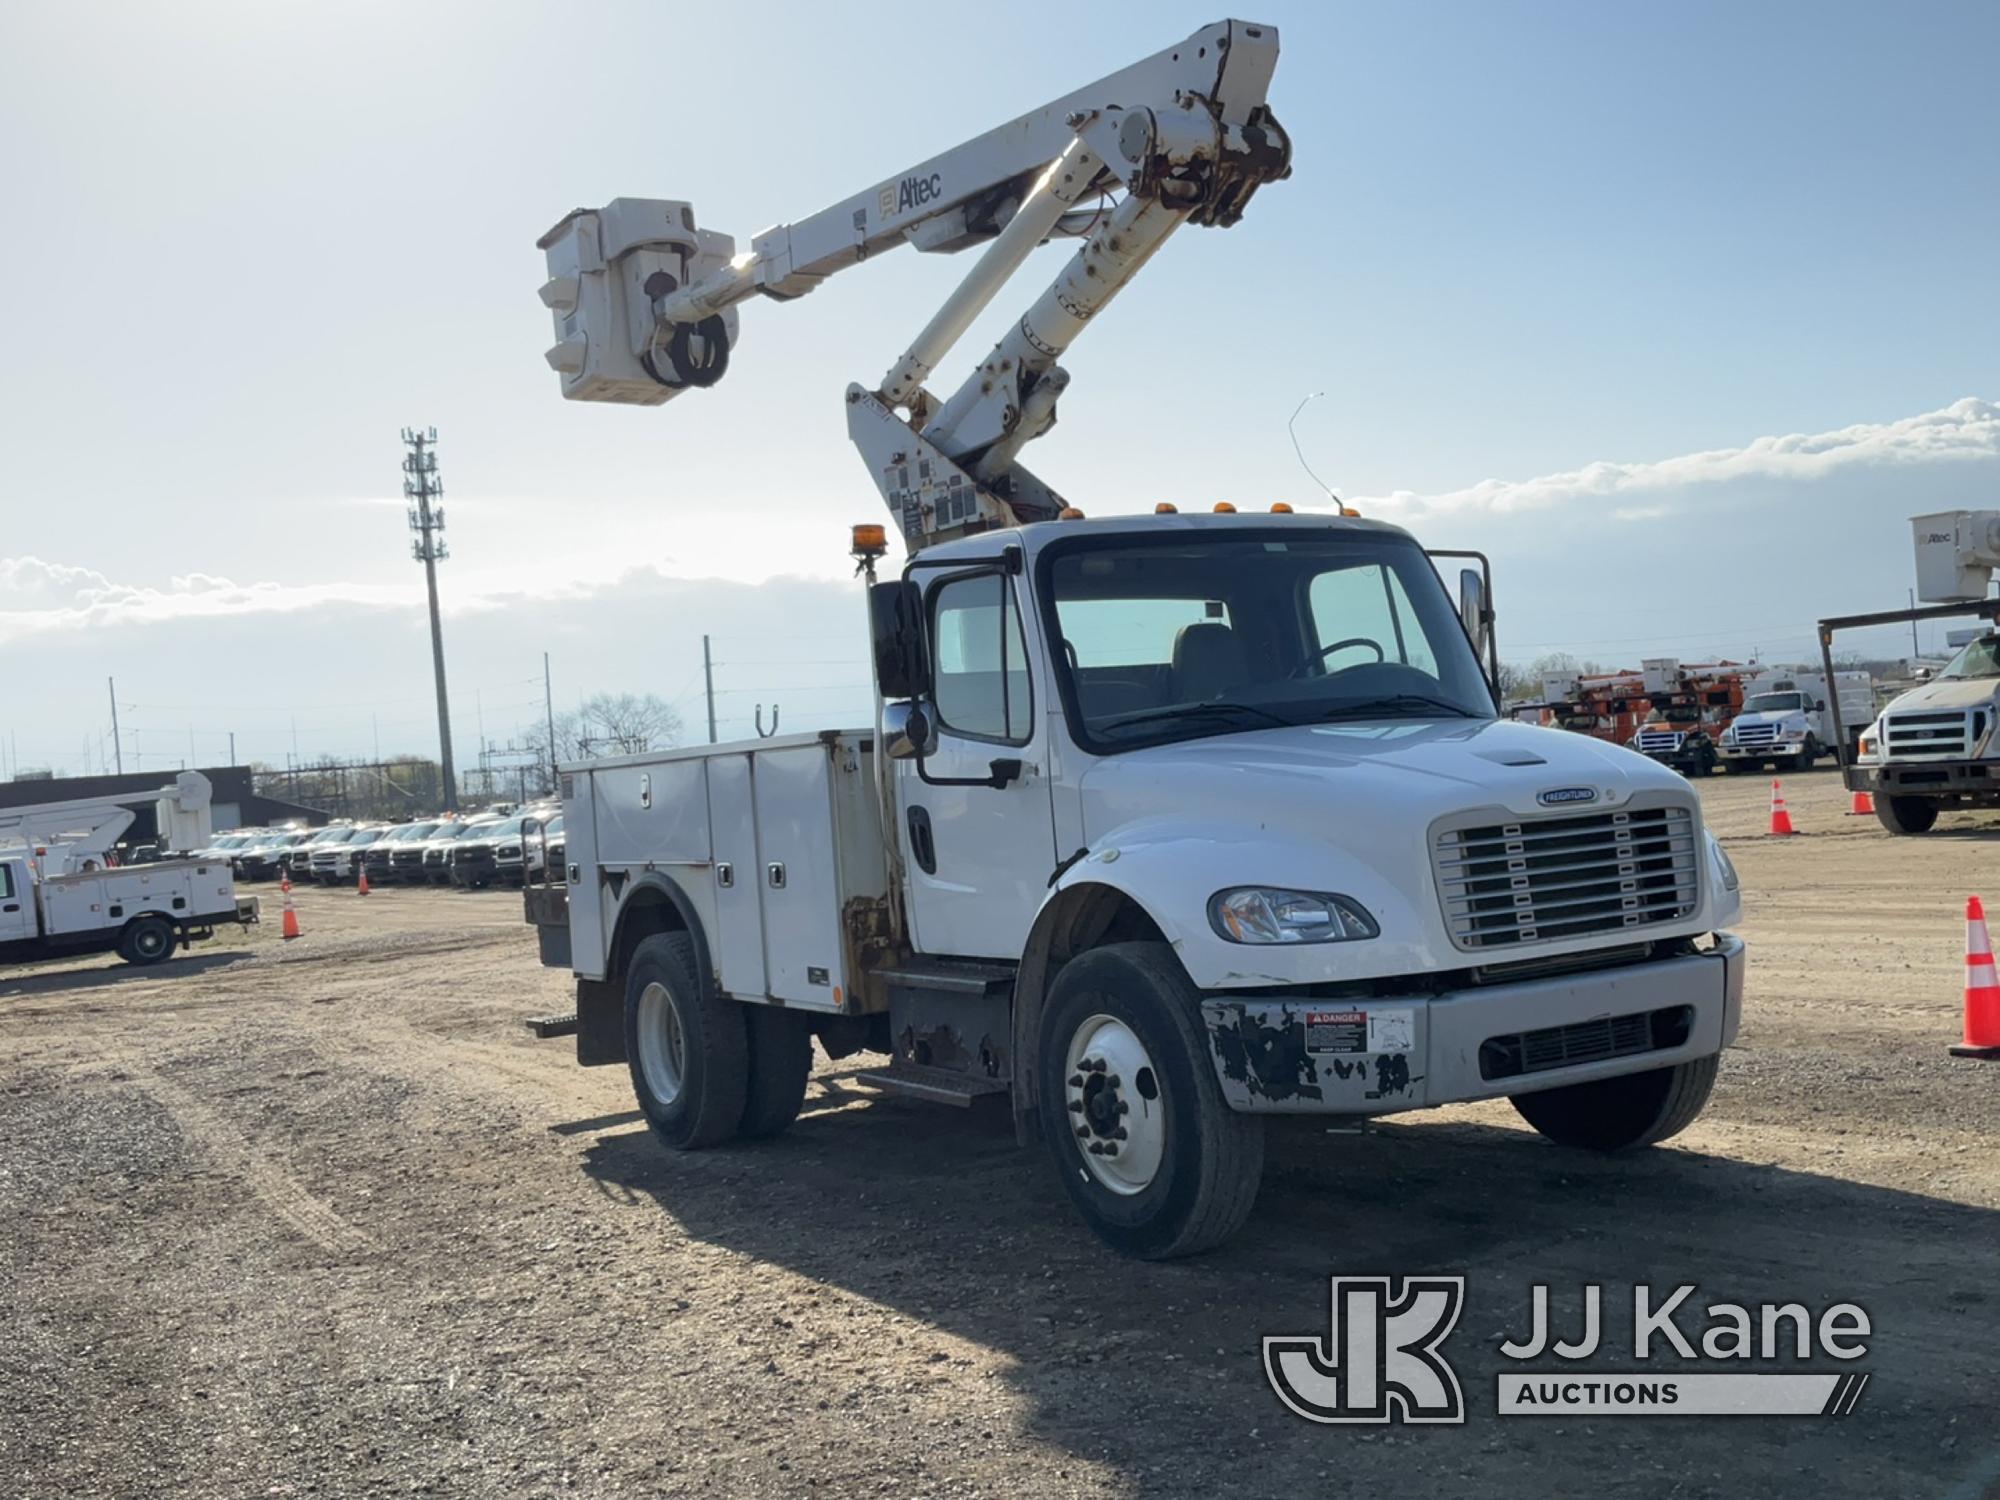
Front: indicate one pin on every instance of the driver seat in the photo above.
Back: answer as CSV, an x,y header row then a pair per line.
x,y
1208,661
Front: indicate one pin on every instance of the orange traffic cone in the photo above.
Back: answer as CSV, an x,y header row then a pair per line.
x,y
1781,821
1982,989
1863,806
291,927
361,886
285,883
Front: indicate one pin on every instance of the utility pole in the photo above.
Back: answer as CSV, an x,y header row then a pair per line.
x,y
421,487
117,748
232,747
1914,652
549,703
708,677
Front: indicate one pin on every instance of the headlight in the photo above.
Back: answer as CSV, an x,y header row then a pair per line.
x,y
1723,863
1795,734
510,852
1258,914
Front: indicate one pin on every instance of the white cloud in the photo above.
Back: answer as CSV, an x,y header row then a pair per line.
x,y
38,596
1967,429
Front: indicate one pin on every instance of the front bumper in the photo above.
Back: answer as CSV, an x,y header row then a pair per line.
x,y
1373,1057
1927,778
1776,750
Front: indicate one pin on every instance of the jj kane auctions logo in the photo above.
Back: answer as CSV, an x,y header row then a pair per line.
x,y
1382,1359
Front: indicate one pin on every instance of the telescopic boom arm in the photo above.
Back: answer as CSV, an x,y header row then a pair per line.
x,y
645,302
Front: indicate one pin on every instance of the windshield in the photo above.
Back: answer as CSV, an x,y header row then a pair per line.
x,y
1980,659
1772,703
1172,636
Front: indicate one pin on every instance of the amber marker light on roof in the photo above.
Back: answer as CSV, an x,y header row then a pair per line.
x,y
1281,509
1166,508
1224,508
870,540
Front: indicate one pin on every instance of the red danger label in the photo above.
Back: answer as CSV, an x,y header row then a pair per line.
x,y
1336,1031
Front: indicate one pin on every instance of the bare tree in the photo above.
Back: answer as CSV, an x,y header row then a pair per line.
x,y
607,724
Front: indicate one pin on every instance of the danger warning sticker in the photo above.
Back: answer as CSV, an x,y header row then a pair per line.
x,y
1336,1031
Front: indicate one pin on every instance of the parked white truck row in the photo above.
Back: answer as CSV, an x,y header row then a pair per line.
x,y
1788,719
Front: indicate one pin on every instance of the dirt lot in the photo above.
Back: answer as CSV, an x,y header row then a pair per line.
x,y
321,1218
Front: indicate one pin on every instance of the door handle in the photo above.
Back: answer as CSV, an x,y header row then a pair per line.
x,y
11,906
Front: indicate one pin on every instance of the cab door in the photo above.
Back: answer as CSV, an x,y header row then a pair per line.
x,y
978,856
17,904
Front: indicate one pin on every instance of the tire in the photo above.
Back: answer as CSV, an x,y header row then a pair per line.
x,y
1809,754
1906,814
1130,1004
146,940
781,1058
691,1089
1732,768
1625,1113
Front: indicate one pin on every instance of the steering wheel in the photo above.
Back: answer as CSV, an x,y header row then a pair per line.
x,y
1325,651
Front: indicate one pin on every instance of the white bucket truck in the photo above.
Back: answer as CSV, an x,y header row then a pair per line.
x,y
1937,747
1167,823
62,891
1788,720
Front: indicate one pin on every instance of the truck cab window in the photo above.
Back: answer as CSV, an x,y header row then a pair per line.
x,y
981,656
1366,605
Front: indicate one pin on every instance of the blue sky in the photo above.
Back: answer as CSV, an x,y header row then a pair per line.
x,y
252,242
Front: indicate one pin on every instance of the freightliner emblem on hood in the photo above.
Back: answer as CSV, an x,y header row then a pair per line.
x,y
1567,794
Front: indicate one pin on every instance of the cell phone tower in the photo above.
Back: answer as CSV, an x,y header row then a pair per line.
x,y
425,492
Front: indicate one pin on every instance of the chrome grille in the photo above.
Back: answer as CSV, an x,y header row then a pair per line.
x,y
1757,734
1932,734
1545,880
1652,741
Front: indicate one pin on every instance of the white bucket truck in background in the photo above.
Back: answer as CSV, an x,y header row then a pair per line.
x,y
1937,747
62,892
1788,722
1167,823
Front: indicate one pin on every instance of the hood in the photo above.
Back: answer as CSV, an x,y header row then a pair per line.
x,y
1949,692
1385,779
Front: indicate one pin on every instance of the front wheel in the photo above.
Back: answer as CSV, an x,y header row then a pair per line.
x,y
1624,1113
685,1044
1135,1123
1906,814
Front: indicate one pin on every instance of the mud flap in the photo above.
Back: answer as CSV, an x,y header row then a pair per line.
x,y
600,1023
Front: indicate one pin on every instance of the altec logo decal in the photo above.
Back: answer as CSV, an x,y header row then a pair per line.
x,y
1382,1360
911,192
1563,795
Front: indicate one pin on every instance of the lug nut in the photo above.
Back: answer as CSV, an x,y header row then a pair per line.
x,y
1118,1134
1111,1082
1076,1082
1082,1130
1110,1149
1124,1107
1096,1148
1076,1106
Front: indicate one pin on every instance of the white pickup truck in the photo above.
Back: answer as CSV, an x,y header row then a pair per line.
x,y
1787,722
1168,824
1938,745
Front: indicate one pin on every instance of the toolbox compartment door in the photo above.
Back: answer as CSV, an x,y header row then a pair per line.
x,y
797,876
736,946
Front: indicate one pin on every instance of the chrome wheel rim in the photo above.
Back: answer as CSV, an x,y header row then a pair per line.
x,y
662,1043
1115,1107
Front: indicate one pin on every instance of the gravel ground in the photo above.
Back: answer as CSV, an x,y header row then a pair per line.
x,y
322,1219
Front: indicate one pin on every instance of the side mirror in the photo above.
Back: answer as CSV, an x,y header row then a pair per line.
x,y
1819,705
1472,608
907,731
896,629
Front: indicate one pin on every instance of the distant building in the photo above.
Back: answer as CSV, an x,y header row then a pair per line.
x,y
235,804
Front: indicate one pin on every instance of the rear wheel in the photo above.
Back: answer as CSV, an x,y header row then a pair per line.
x,y
1136,1126
780,1060
686,1046
146,940
1906,814
1625,1113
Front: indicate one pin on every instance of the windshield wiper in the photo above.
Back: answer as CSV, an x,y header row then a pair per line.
x,y
1203,710
1389,703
